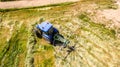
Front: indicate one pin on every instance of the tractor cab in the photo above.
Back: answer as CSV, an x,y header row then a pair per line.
x,y
45,27
47,31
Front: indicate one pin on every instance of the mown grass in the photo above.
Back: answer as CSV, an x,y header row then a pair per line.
x,y
15,49
51,5
103,4
90,23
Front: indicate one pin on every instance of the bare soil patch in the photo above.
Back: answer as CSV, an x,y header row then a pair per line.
x,y
113,15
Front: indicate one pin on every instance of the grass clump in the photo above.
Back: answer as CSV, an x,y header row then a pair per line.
x,y
47,63
101,28
30,47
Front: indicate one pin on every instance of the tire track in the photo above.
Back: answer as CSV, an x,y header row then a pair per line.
x,y
96,41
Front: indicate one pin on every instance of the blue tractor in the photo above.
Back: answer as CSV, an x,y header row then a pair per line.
x,y
51,34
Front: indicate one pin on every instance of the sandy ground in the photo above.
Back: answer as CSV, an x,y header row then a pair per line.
x,y
109,17
30,3
113,15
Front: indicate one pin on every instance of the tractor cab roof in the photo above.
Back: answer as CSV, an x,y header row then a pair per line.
x,y
44,26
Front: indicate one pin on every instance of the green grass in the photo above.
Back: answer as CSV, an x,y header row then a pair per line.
x,y
103,4
93,26
25,15
51,5
47,63
90,36
13,48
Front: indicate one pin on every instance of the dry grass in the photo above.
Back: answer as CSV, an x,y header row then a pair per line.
x,y
96,46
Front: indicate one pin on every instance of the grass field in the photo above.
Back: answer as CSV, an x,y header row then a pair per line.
x,y
97,46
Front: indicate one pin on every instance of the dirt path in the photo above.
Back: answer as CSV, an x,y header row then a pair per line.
x,y
30,3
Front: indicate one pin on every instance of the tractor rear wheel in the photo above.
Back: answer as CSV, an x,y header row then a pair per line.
x,y
38,33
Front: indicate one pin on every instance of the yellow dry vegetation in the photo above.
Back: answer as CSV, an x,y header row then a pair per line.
x,y
97,46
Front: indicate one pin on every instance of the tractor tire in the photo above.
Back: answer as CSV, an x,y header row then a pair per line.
x,y
54,43
38,33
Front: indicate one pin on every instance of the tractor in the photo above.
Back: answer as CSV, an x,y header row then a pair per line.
x,y
51,34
